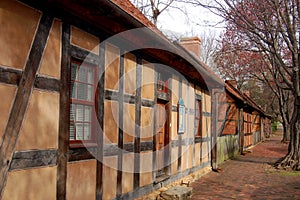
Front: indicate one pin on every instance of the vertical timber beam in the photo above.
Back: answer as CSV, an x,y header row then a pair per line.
x,y
137,140
63,138
179,135
100,117
120,136
214,130
18,111
154,125
241,125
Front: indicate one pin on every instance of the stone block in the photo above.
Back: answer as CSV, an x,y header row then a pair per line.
x,y
177,193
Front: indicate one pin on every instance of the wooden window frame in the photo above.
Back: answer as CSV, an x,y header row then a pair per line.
x,y
198,119
162,82
75,101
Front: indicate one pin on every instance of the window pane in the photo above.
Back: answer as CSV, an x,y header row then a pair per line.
x,y
81,91
87,113
73,71
72,132
72,112
90,75
73,89
89,93
79,131
79,113
82,74
87,131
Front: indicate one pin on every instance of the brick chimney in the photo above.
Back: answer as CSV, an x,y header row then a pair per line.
x,y
232,82
191,44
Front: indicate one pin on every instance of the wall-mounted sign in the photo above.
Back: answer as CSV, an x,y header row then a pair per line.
x,y
181,114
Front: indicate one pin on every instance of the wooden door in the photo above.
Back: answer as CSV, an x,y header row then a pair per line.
x,y
162,137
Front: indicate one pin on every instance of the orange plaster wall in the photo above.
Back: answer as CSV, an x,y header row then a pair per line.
x,y
175,90
40,126
204,127
7,98
205,152
18,26
112,67
192,97
185,92
130,73
174,160
129,122
191,126
146,168
190,159
127,175
197,154
147,124
111,116
81,180
50,64
183,158
37,183
173,134
84,40
110,177
209,126
148,81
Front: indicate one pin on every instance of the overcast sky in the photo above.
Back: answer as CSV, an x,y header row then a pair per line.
x,y
198,20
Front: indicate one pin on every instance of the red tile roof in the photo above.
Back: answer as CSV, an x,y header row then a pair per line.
x,y
128,7
133,11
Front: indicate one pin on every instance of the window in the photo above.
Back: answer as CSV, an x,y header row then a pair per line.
x,y
198,118
162,82
83,87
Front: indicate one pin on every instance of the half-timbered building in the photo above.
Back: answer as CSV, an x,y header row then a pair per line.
x,y
96,103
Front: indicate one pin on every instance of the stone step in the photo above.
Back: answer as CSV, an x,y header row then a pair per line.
x,y
177,193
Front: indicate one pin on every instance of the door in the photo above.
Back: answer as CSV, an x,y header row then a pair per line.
x,y
162,138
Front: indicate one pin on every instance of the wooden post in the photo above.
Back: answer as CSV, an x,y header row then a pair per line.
x,y
63,141
121,133
137,140
214,129
241,133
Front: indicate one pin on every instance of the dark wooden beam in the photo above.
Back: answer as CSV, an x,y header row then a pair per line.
x,y
100,118
137,130
179,135
64,115
241,129
18,111
84,55
10,76
34,158
154,125
78,154
214,129
47,83
120,128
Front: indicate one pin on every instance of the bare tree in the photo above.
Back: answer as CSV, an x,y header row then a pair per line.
x,y
153,8
271,27
208,46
